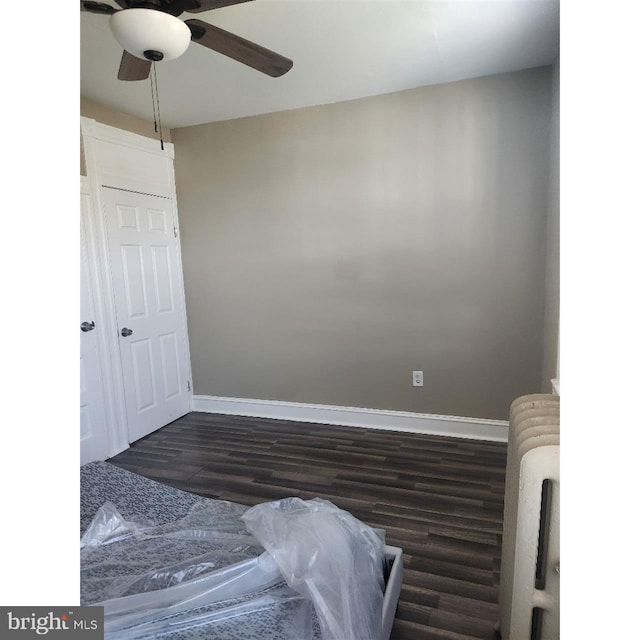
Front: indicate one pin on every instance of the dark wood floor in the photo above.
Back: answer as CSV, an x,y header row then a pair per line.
x,y
440,499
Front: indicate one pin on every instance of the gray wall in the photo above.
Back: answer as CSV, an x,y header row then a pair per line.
x,y
330,251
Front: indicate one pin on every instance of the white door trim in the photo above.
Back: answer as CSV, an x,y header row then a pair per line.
x,y
112,159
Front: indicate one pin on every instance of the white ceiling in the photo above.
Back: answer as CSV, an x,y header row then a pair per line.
x,y
341,49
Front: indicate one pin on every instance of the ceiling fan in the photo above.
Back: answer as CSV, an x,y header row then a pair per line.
x,y
150,30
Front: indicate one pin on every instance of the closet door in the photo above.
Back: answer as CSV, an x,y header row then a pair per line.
x,y
94,439
144,262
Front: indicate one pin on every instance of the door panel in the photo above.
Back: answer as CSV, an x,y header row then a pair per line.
x,y
133,281
143,378
161,261
170,358
145,272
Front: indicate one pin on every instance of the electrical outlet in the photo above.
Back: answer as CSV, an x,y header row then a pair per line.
x,y
418,380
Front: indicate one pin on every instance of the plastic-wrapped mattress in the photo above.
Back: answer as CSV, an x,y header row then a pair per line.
x,y
168,564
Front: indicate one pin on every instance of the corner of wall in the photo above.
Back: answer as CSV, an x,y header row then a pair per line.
x,y
551,343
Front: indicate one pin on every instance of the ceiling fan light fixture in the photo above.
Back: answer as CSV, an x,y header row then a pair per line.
x,y
150,34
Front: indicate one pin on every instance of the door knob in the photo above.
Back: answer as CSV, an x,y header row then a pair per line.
x,y
88,326
125,333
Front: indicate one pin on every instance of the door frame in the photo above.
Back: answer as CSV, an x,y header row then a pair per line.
x,y
123,160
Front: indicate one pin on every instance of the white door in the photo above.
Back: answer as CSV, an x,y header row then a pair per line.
x,y
149,306
94,440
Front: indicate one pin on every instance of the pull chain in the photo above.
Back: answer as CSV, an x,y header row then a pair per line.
x,y
155,100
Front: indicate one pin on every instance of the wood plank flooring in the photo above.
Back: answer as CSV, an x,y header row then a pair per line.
x,y
439,498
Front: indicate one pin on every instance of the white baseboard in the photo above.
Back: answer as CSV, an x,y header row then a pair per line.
x,y
472,428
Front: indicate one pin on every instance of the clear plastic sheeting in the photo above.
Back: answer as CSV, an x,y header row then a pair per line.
x,y
207,575
329,557
109,526
241,589
122,558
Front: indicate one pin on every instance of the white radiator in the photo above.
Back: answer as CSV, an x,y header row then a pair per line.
x,y
529,596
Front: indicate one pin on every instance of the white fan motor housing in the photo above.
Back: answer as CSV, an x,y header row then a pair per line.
x,y
140,30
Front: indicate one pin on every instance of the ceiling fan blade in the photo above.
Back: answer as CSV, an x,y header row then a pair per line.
x,y
207,5
233,46
97,7
132,68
